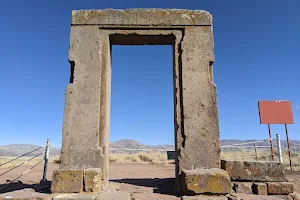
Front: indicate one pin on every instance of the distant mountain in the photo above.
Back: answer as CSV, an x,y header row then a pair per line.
x,y
20,149
131,146
127,144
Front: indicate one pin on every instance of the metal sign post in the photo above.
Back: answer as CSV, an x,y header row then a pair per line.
x,y
288,145
271,143
276,112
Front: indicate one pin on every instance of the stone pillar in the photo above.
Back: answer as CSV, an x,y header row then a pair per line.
x,y
200,142
85,138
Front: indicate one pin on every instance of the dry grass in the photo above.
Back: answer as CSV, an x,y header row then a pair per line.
x,y
154,157
19,161
262,155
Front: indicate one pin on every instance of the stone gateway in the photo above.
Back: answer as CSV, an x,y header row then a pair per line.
x,y
86,128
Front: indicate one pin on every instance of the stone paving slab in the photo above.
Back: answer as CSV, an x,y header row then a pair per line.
x,y
75,197
204,197
113,195
152,196
239,196
25,194
135,188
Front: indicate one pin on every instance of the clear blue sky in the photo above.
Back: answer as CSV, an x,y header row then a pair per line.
x,y
257,50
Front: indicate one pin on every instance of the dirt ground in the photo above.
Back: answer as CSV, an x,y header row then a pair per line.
x,y
155,181
143,178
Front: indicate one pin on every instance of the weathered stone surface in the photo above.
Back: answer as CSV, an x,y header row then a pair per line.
x,y
295,196
204,197
151,196
205,181
243,187
285,197
260,188
199,144
87,108
232,197
142,17
28,195
75,197
240,196
112,195
92,179
67,181
290,180
254,170
277,188
134,188
85,141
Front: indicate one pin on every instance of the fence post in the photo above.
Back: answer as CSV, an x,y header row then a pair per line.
x,y
255,152
279,148
46,160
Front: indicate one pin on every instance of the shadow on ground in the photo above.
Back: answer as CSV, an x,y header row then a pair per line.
x,y
38,187
159,185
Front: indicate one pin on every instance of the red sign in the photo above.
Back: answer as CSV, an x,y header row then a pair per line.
x,y
275,112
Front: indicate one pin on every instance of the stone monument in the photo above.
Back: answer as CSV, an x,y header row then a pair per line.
x,y
86,128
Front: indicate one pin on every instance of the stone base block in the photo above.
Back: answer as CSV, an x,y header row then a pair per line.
x,y
254,171
260,188
243,187
67,181
76,181
205,181
92,179
280,188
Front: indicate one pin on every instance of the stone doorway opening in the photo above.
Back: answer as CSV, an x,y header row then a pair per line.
x,y
151,37
142,115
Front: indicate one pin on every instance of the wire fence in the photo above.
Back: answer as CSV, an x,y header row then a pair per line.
x,y
253,150
257,150
14,166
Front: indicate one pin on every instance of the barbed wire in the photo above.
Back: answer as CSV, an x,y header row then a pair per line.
x,y
21,156
296,162
22,174
21,164
251,156
250,146
55,145
238,144
294,144
291,151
